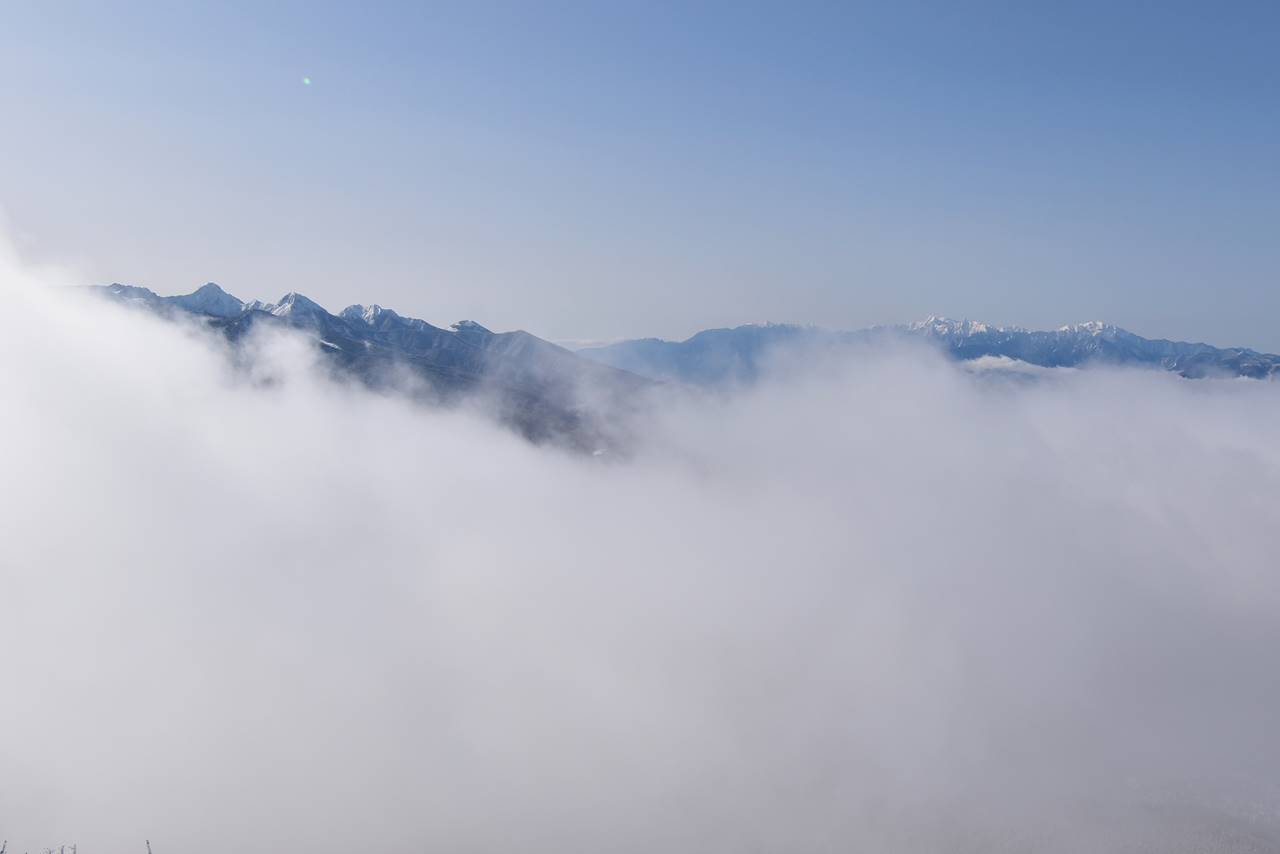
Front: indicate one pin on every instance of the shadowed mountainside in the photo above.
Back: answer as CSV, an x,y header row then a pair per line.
x,y
544,391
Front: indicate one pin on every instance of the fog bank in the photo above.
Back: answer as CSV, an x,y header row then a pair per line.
x,y
893,605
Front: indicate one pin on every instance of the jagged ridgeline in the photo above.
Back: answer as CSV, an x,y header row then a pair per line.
x,y
581,399
544,391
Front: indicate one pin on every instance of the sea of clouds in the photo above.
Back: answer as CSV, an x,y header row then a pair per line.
x,y
890,606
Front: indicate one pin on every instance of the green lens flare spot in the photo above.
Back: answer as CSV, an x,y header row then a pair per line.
x,y
306,81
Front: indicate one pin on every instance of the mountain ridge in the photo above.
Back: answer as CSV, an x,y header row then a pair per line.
x,y
549,393
738,354
533,385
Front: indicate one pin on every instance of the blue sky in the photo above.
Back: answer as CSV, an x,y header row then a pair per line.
x,y
601,170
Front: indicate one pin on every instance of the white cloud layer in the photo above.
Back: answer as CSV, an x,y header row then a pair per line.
x,y
893,607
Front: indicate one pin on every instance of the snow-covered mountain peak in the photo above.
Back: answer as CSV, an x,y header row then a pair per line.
x,y
209,299
294,304
936,325
470,330
367,314
1090,327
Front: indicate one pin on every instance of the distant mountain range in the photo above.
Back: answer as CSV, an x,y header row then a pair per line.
x,y
718,356
541,389
551,394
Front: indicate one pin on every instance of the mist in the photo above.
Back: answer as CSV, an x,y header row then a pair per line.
x,y
892,604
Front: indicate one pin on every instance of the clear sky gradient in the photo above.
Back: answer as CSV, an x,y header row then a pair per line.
x,y
604,170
